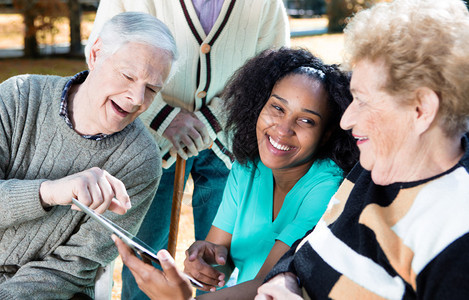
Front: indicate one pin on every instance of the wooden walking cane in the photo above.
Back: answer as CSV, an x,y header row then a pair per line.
x,y
178,192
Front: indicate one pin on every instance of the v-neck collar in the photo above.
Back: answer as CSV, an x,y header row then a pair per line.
x,y
195,25
266,189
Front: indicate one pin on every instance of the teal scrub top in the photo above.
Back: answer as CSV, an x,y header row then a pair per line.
x,y
247,208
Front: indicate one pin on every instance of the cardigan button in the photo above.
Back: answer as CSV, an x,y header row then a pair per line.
x,y
205,48
201,94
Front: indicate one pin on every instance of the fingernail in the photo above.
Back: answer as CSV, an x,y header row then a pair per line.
x,y
164,255
128,205
113,237
221,283
213,289
221,277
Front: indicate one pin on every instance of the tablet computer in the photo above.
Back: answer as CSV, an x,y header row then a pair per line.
x,y
143,250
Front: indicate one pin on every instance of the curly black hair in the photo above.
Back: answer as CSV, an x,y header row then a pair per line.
x,y
250,87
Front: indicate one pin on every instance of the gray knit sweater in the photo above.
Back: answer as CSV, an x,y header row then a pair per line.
x,y
55,254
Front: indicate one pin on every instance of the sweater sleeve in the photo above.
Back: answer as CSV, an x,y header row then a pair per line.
x,y
157,118
275,28
71,267
19,198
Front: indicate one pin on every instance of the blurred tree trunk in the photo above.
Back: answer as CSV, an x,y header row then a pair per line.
x,y
75,32
26,7
39,18
338,11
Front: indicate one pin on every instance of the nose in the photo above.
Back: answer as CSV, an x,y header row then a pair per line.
x,y
137,94
285,127
348,118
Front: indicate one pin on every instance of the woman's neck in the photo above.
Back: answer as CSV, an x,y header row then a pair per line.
x,y
285,179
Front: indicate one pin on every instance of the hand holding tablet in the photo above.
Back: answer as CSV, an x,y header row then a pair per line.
x,y
144,251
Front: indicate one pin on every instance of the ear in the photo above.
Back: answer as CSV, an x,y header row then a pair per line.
x,y
95,52
427,107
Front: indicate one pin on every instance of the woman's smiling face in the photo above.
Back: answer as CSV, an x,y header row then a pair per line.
x,y
382,125
292,123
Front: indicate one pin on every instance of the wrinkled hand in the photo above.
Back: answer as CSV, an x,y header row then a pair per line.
x,y
170,284
282,286
199,258
188,134
94,187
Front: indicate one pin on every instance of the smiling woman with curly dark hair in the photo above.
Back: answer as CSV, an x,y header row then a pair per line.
x,y
250,88
283,108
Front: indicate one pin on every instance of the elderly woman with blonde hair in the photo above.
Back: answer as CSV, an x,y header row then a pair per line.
x,y
397,228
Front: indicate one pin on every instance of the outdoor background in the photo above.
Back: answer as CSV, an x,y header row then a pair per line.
x,y
45,25
326,46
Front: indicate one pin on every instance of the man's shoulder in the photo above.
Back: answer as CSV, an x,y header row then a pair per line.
x,y
26,84
31,79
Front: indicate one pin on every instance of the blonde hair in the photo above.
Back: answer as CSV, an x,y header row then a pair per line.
x,y
424,43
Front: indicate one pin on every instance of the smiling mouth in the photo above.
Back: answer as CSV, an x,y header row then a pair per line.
x,y
119,109
360,139
279,146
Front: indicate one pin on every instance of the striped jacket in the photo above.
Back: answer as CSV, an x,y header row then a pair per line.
x,y
401,241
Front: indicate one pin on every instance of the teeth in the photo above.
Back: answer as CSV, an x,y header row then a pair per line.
x,y
119,109
278,146
361,138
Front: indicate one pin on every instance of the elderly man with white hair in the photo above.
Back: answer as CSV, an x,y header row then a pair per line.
x,y
78,137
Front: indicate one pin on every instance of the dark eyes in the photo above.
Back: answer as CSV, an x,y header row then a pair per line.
x,y
301,121
276,107
308,122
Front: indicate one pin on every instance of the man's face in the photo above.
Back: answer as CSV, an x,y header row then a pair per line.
x,y
123,85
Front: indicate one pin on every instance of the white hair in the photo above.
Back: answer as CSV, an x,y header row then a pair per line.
x,y
137,27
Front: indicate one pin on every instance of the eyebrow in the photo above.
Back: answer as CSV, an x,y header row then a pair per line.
x,y
285,101
155,86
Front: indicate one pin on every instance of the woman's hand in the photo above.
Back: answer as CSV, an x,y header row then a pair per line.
x,y
94,187
200,257
170,284
280,287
